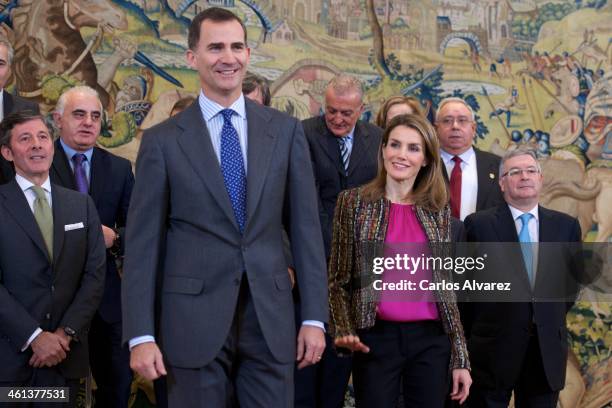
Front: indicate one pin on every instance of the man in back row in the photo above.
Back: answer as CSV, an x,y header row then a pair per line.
x,y
472,173
79,165
344,153
9,103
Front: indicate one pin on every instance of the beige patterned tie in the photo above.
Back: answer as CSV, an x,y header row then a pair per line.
x,y
44,218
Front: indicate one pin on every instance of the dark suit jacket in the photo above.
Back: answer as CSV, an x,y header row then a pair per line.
x,y
110,187
36,293
329,170
181,228
489,193
12,103
498,332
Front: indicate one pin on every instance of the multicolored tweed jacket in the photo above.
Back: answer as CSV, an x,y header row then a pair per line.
x,y
359,232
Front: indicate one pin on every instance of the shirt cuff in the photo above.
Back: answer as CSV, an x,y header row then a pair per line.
x,y
31,339
314,323
139,340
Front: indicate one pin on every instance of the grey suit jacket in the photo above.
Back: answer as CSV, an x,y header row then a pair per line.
x,y
37,293
183,238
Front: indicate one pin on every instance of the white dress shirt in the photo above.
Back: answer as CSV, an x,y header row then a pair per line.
x,y
26,186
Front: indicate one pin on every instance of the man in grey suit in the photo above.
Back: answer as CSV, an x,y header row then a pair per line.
x,y
52,266
215,186
9,103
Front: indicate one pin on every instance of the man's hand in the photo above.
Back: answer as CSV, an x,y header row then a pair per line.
x,y
310,345
352,343
146,359
109,236
63,338
462,380
49,349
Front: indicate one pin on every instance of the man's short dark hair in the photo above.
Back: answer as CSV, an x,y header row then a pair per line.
x,y
16,118
216,14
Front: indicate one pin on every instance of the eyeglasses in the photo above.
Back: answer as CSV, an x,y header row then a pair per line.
x,y
81,114
530,171
450,121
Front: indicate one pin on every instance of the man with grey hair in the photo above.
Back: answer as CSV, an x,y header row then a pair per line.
x,y
344,155
472,173
521,345
79,165
9,103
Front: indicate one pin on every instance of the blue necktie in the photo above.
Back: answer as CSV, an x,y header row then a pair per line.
x,y
232,167
526,248
80,178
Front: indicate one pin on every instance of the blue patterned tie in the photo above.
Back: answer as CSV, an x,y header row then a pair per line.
x,y
232,167
526,243
80,178
344,152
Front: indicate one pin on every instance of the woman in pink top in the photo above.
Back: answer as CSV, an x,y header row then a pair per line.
x,y
410,336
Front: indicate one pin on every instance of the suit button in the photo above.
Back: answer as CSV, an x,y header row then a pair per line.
x,y
48,316
52,288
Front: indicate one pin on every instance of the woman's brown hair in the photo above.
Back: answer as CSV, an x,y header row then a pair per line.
x,y
413,103
429,190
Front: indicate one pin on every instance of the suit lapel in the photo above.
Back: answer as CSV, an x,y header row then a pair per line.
x,y
261,145
7,103
59,220
100,163
506,231
483,169
329,143
361,144
17,205
61,168
196,145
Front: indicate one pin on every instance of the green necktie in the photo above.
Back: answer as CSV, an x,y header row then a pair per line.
x,y
44,218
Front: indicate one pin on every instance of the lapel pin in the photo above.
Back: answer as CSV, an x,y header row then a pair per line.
x,y
491,176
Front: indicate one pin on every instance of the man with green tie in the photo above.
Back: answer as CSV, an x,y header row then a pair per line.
x,y
52,266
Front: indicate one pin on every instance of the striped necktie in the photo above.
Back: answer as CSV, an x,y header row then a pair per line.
x,y
345,155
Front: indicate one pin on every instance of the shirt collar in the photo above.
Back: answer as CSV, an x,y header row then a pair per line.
x,y
517,213
211,108
25,184
465,156
71,152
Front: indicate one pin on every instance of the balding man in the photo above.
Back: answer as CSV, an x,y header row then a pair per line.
x,y
344,155
472,174
80,165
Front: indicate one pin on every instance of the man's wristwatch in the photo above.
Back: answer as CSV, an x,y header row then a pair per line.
x,y
70,332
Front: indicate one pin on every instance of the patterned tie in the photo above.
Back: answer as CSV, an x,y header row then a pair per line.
x,y
344,152
526,243
80,178
455,188
44,218
232,167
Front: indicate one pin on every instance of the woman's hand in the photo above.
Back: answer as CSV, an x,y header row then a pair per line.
x,y
462,380
352,343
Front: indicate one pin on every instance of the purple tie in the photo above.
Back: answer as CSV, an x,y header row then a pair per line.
x,y
80,178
